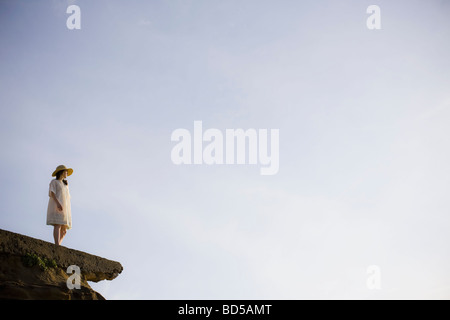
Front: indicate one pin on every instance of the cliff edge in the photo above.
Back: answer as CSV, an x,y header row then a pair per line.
x,y
37,269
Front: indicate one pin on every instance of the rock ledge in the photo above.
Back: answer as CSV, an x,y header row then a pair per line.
x,y
21,281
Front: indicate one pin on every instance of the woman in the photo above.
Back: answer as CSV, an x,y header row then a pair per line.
x,y
58,210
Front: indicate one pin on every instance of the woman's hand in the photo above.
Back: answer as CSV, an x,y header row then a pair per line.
x,y
58,205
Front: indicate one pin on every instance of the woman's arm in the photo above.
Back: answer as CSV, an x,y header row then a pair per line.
x,y
60,208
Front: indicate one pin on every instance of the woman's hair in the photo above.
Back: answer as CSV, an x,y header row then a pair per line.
x,y
58,174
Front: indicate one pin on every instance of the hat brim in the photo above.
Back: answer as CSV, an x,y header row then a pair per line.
x,y
69,171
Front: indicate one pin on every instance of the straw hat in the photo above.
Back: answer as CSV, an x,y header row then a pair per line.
x,y
62,167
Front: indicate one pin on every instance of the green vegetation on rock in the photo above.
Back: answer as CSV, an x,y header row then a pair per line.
x,y
31,259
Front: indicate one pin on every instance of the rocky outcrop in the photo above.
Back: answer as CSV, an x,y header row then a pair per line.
x,y
36,269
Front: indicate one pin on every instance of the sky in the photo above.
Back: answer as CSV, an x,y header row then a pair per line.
x,y
364,143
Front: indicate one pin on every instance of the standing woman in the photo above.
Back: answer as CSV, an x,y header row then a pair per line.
x,y
58,211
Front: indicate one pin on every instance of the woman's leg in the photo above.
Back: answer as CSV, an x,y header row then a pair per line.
x,y
57,234
62,233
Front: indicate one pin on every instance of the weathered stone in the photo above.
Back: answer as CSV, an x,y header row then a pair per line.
x,y
19,281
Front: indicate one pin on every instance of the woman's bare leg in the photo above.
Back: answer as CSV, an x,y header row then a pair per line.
x,y
62,233
57,234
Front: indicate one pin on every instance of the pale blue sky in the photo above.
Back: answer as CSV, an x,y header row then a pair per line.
x,y
364,143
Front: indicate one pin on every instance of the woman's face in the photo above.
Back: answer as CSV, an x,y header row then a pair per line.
x,y
64,174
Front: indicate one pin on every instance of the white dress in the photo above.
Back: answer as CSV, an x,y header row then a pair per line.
x,y
55,216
